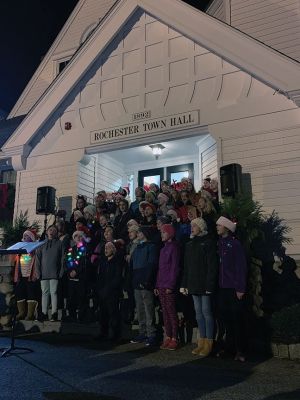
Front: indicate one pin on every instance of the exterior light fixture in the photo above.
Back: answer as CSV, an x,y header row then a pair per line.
x,y
157,149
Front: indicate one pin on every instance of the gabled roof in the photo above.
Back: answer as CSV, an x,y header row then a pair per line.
x,y
7,128
230,44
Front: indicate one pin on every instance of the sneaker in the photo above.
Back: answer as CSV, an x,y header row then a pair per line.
x,y
139,339
53,317
165,344
173,344
151,341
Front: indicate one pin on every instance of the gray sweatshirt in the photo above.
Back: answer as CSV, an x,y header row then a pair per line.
x,y
50,260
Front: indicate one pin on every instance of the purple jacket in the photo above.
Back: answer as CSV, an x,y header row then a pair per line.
x,y
233,264
168,269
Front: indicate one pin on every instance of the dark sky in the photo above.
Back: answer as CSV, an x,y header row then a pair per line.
x,y
27,30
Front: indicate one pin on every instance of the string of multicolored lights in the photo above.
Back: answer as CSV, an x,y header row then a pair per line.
x,y
73,261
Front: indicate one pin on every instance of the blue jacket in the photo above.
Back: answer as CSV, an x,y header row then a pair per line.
x,y
144,261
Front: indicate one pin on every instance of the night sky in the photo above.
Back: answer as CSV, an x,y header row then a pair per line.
x,y
27,30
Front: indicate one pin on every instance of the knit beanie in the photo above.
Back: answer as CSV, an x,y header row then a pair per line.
x,y
133,228
31,234
146,231
164,219
169,229
90,209
77,215
132,222
163,196
201,224
111,246
145,204
78,233
172,213
223,221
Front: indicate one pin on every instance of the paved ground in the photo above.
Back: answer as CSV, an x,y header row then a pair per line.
x,y
64,367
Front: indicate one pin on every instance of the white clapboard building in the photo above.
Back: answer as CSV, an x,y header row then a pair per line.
x,y
213,88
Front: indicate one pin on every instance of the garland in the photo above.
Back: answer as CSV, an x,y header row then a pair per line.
x,y
73,262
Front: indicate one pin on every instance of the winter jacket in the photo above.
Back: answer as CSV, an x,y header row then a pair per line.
x,y
200,266
168,268
79,268
50,260
110,276
144,262
33,273
233,264
120,225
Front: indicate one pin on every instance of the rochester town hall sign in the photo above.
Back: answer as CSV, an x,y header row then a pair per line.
x,y
144,125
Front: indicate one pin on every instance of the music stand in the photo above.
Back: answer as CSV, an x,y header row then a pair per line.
x,y
18,249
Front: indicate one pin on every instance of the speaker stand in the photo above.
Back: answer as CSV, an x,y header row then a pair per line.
x,y
43,237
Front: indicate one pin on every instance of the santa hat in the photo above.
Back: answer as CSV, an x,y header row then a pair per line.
x,y
163,196
31,233
200,223
169,229
90,209
223,221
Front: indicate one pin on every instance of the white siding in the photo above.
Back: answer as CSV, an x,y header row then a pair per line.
x,y
87,179
91,12
63,179
208,158
217,10
275,172
274,22
109,175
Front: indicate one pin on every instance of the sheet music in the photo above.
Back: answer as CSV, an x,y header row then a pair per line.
x,y
28,246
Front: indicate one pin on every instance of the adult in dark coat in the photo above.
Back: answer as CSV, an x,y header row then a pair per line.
x,y
109,288
199,280
120,222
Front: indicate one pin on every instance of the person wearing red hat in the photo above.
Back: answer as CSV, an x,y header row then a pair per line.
x,y
168,271
149,211
26,280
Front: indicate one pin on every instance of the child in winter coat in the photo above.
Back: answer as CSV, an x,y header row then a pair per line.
x,y
168,270
199,280
25,279
232,286
76,273
50,268
144,262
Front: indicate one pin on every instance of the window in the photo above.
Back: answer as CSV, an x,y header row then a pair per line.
x,y
146,177
8,177
62,65
177,172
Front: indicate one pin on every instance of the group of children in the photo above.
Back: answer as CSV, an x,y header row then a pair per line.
x,y
117,260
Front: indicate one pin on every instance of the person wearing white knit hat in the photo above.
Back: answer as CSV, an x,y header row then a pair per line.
x,y
226,223
89,212
232,286
199,280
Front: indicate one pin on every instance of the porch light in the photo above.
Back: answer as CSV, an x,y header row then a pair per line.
x,y
157,149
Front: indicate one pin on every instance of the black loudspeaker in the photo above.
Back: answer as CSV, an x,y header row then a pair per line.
x,y
45,200
231,180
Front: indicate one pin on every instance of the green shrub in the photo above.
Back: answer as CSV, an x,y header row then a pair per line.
x,y
285,325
